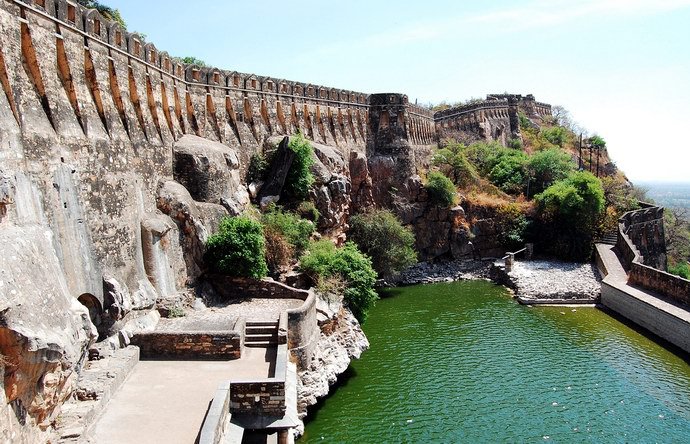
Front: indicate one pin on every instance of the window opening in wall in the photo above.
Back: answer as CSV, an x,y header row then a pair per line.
x,y
137,48
152,57
97,27
196,75
310,91
71,14
41,3
236,80
167,64
283,88
216,77
118,38
253,83
270,86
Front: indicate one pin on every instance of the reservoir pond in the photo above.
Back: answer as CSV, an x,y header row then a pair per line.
x,y
463,362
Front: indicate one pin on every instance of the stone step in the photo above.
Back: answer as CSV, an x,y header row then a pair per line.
x,y
261,324
261,344
260,337
260,329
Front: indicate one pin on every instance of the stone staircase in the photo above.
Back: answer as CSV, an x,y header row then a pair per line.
x,y
608,238
261,334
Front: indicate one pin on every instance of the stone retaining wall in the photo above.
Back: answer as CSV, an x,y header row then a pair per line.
x,y
196,345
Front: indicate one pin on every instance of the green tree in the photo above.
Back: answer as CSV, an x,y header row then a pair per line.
x,y
106,11
191,60
237,249
546,167
509,170
569,211
453,162
556,135
323,261
380,235
300,179
296,230
597,142
441,190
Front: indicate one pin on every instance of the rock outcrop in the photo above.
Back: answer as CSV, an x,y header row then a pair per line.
x,y
341,341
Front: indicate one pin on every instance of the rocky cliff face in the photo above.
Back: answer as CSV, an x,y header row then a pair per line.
x,y
341,341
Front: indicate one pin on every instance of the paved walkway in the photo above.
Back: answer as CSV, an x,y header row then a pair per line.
x,y
618,278
166,401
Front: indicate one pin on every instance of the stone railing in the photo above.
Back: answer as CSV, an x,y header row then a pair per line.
x,y
225,344
218,416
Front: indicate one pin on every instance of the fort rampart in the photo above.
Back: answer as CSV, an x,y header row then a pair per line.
x,y
155,97
642,248
496,118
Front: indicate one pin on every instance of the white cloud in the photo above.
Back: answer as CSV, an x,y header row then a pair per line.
x,y
532,14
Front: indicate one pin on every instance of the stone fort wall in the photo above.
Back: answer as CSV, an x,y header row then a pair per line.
x,y
495,118
157,98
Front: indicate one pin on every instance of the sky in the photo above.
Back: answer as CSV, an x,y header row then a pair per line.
x,y
621,67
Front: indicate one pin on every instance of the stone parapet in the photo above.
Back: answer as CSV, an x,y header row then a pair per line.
x,y
191,345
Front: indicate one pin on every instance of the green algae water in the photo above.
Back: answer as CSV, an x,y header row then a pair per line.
x,y
463,362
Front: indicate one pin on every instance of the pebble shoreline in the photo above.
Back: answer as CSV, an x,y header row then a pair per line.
x,y
532,281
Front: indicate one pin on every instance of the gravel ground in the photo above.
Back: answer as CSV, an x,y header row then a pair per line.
x,y
555,280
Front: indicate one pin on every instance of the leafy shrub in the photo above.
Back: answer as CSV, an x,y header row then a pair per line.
x,y
509,170
279,252
176,312
597,141
482,155
441,190
296,230
300,179
511,225
548,166
525,123
258,166
556,135
381,236
454,164
308,210
681,269
569,212
323,260
515,144
237,249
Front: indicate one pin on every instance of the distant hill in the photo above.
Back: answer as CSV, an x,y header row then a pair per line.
x,y
668,194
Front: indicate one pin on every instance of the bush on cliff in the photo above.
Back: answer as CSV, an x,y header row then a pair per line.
x,y
441,189
237,249
569,211
380,235
508,170
300,179
323,261
453,162
547,167
296,230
